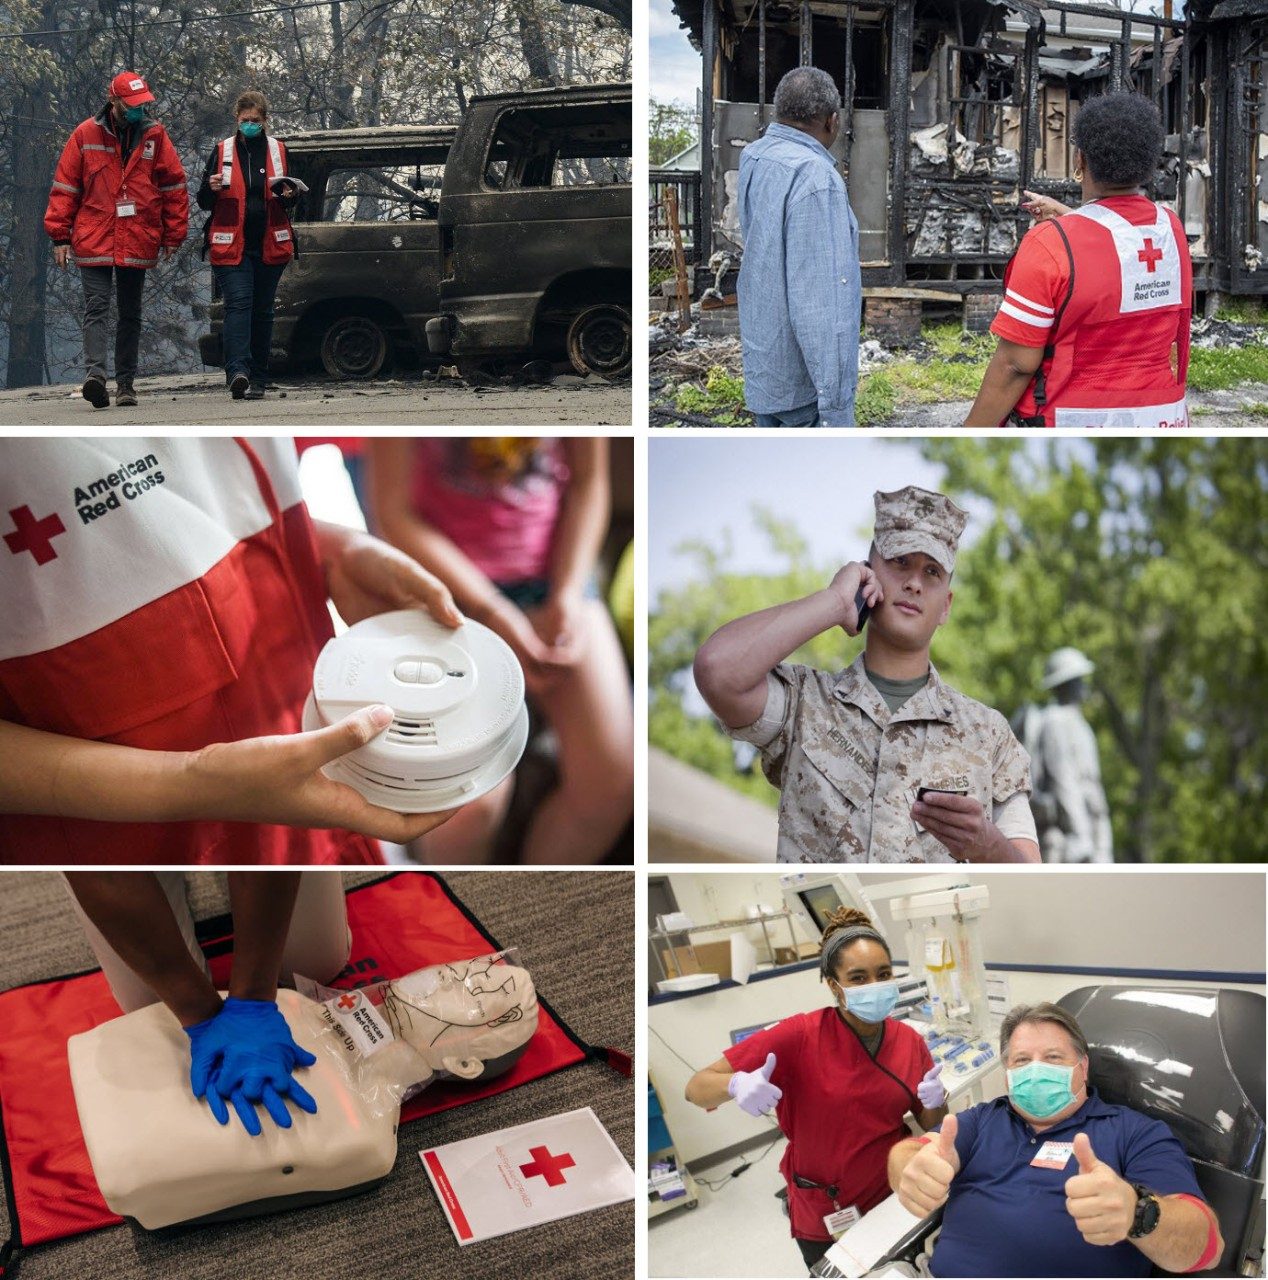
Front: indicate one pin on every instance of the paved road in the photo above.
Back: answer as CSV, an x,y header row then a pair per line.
x,y
201,400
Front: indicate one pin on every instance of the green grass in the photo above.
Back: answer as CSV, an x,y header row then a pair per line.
x,y
1218,370
1242,311
721,398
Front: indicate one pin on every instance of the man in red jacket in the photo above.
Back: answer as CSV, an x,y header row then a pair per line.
x,y
118,199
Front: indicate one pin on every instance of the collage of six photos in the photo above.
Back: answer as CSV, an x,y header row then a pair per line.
x,y
800,817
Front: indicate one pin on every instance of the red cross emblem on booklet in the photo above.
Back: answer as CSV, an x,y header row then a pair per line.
x,y
35,536
546,1166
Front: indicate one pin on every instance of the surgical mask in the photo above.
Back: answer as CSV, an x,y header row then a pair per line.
x,y
134,115
1041,1089
250,128
873,1002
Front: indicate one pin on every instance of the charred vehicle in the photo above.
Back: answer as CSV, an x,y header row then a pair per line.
x,y
366,279
535,225
952,109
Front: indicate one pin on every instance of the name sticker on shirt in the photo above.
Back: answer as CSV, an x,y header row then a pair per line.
x,y
1053,1155
125,209
841,1221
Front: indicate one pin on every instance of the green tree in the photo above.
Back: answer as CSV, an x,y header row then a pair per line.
x,y
671,129
1149,554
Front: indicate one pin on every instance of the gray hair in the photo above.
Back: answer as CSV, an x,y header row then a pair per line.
x,y
1045,1012
806,94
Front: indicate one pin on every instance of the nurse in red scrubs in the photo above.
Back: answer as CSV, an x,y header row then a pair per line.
x,y
841,1081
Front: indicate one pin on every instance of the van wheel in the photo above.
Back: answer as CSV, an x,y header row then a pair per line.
x,y
354,347
599,340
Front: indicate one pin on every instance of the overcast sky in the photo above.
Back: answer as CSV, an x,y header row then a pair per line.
x,y
674,66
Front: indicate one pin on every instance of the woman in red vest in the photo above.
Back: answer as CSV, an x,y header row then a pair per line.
x,y
1094,324
249,236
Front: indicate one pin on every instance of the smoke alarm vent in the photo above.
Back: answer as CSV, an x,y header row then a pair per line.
x,y
459,721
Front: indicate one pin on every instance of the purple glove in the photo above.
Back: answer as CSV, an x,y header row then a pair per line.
x,y
930,1090
753,1089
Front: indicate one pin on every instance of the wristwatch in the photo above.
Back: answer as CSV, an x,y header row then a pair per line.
x,y
1148,1210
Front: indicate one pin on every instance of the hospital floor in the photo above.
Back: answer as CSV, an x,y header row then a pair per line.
x,y
738,1230
576,935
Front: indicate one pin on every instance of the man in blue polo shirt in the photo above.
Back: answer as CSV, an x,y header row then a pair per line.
x,y
1051,1180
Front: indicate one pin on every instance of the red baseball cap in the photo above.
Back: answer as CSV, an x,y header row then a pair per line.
x,y
131,88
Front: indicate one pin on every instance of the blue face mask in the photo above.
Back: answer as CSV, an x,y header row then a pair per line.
x,y
1041,1089
134,115
872,1003
250,128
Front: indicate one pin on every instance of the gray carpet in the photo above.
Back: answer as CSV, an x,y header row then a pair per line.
x,y
576,931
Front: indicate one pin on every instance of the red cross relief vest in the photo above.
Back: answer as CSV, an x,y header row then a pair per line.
x,y
230,210
165,594
1119,351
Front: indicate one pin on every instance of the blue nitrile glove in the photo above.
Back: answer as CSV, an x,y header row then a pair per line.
x,y
245,1055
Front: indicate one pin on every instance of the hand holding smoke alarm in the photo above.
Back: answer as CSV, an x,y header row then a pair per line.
x,y
459,724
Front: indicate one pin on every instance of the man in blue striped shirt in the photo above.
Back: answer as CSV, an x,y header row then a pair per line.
x,y
799,290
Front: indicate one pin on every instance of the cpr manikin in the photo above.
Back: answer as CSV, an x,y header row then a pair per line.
x,y
470,1019
160,1157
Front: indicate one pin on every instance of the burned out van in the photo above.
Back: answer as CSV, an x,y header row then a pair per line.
x,y
536,232
502,238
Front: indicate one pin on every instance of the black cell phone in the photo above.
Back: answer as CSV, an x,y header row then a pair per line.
x,y
863,608
921,792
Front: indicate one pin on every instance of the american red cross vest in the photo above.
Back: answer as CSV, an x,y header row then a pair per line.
x,y
1120,351
160,593
229,213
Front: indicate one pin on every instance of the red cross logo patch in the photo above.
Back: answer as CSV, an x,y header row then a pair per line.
x,y
35,536
1150,256
544,1165
347,1001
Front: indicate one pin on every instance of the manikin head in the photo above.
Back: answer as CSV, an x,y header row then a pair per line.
x,y
807,99
469,1019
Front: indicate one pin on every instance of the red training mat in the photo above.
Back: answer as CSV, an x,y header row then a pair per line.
x,y
408,921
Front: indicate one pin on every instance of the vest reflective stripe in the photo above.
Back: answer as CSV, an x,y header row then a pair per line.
x,y
1153,415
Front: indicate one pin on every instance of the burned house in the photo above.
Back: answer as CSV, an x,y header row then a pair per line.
x,y
952,109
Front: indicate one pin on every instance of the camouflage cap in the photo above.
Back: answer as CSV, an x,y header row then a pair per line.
x,y
914,519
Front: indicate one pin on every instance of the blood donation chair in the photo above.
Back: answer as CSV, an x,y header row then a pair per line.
x,y
161,1158
1193,1059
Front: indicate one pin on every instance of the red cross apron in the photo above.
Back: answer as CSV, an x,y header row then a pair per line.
x,y
162,594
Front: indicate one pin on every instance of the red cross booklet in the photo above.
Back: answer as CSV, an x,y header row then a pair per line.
x,y
537,1172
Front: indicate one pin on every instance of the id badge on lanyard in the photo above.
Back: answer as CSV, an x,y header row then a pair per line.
x,y
125,209
839,1221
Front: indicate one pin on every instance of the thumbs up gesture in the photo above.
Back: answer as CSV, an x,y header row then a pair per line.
x,y
926,1181
1100,1202
753,1089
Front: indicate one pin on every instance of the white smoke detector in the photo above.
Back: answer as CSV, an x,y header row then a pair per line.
x,y
460,723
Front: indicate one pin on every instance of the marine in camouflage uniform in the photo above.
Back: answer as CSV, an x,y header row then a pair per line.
x,y
848,768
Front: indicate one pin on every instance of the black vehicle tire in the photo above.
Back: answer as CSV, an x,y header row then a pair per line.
x,y
599,340
355,347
